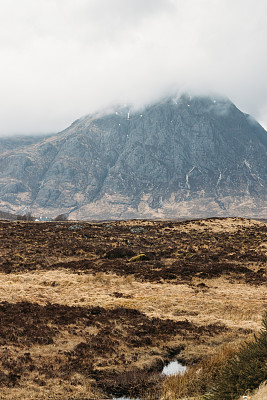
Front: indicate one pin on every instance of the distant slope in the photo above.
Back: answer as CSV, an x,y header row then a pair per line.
x,y
18,142
184,157
7,216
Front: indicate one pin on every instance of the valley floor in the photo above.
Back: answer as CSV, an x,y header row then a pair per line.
x,y
91,310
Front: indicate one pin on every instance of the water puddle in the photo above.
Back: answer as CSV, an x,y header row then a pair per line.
x,y
173,368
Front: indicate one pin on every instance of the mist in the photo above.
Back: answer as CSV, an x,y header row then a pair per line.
x,y
62,59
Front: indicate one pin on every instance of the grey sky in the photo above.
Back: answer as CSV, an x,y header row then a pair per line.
x,y
61,59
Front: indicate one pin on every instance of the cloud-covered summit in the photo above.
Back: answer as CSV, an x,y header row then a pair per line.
x,y
61,59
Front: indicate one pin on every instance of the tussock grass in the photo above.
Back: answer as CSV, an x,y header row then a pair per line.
x,y
259,394
228,374
236,304
207,273
246,370
38,387
231,225
197,379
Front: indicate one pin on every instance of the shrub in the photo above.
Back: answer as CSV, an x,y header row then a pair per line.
x,y
245,371
61,217
260,393
197,379
119,252
26,217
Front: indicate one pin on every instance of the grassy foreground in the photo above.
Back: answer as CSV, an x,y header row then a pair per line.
x,y
260,394
83,317
226,375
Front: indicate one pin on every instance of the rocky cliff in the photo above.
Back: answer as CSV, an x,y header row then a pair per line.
x,y
180,157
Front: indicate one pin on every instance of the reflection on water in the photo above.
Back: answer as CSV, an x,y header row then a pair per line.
x,y
173,368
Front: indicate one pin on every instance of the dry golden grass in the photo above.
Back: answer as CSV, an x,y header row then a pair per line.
x,y
235,304
196,378
46,276
238,306
192,384
54,389
259,394
216,225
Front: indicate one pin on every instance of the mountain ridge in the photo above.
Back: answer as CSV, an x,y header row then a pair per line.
x,y
180,157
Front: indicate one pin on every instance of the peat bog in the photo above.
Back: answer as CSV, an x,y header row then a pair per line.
x,y
82,316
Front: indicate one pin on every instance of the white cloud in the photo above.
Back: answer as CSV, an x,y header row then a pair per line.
x,y
61,59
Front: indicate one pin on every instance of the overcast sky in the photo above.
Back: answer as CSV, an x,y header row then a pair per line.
x,y
61,59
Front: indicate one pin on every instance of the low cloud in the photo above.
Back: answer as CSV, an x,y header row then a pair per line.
x,y
61,59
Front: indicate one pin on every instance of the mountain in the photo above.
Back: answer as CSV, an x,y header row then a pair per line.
x,y
18,142
4,216
180,157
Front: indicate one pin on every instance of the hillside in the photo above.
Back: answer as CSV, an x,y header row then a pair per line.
x,y
181,157
8,216
81,317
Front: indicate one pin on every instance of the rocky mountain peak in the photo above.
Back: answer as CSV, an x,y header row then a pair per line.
x,y
182,156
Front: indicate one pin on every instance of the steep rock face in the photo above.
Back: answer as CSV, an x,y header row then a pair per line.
x,y
181,157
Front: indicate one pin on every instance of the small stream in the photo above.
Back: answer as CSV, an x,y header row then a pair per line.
x,y
173,368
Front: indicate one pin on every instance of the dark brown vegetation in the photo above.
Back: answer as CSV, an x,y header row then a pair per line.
x,y
120,346
173,254
24,325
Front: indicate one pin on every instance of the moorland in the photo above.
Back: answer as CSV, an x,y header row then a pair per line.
x,y
92,310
